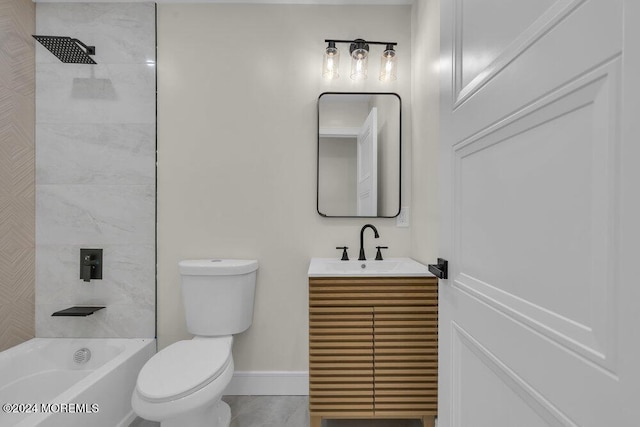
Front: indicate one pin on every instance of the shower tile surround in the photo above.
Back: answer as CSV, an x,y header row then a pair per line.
x,y
95,170
17,148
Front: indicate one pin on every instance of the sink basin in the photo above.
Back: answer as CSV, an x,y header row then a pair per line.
x,y
392,267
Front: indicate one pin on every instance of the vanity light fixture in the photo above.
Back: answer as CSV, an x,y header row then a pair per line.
x,y
359,52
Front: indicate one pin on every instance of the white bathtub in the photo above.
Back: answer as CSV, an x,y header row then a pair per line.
x,y
47,377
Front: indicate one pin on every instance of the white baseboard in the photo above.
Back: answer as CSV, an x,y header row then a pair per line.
x,y
271,383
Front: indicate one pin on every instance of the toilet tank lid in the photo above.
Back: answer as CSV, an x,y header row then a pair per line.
x,y
217,267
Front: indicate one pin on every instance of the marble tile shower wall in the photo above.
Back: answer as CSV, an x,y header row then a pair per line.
x,y
95,170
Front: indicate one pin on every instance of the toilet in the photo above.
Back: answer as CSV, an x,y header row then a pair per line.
x,y
182,385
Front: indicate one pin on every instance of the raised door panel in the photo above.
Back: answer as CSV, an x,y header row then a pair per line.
x,y
555,163
481,47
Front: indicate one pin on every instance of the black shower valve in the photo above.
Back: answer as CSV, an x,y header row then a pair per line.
x,y
90,264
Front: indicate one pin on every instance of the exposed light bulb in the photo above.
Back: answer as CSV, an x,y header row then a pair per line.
x,y
359,59
331,62
388,65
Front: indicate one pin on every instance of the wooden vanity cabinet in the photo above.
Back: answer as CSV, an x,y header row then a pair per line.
x,y
373,348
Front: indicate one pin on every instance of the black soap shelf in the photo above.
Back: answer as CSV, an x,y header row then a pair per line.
x,y
77,311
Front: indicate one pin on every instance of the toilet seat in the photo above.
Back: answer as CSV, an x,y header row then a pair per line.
x,y
183,368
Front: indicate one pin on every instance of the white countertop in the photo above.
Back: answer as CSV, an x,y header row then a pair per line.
x,y
390,267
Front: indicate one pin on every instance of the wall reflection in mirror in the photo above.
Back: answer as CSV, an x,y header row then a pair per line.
x,y
359,154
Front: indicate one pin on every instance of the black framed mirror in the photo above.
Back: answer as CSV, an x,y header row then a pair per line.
x,y
359,154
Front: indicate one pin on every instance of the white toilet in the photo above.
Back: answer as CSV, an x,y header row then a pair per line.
x,y
182,385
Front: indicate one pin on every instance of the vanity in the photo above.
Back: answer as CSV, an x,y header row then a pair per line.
x,y
373,340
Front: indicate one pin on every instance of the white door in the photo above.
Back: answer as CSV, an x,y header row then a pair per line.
x,y
540,146
367,166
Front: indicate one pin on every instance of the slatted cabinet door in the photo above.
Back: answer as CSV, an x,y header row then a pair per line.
x,y
373,348
406,360
341,361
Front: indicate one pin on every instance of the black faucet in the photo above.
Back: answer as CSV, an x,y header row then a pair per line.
x,y
375,234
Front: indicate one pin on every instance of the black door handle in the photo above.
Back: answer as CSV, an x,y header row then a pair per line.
x,y
441,269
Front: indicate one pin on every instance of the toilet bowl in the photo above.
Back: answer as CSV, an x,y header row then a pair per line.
x,y
182,385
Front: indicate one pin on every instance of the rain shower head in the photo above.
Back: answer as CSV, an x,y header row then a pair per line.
x,y
68,50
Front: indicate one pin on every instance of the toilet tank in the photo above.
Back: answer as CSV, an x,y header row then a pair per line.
x,y
218,295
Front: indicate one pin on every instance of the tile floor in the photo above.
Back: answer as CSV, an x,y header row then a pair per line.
x,y
283,411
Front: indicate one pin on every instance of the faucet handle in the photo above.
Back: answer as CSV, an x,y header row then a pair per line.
x,y
345,256
90,264
379,254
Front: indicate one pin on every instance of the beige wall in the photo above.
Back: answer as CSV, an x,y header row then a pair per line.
x,y
237,92
425,130
17,172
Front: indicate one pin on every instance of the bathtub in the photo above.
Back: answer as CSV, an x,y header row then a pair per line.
x,y
71,382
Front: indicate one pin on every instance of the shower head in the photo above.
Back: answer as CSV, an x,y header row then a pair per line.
x,y
68,50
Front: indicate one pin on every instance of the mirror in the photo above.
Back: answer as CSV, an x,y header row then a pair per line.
x,y
359,154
